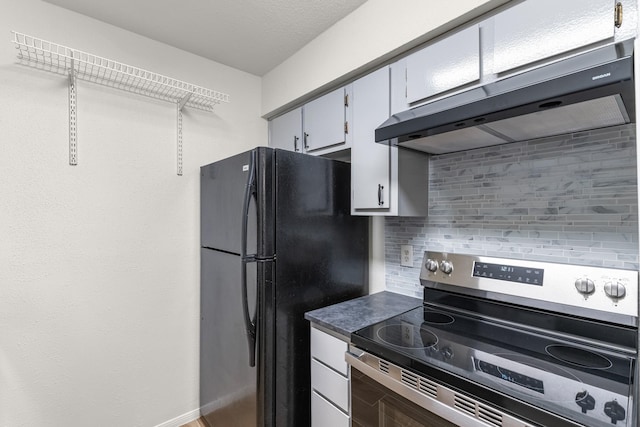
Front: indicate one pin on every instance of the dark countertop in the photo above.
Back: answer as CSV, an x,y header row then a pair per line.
x,y
349,316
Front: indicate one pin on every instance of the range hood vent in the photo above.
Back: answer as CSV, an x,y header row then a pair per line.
x,y
587,91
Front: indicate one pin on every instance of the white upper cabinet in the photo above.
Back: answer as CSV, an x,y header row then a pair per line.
x,y
319,127
285,131
385,180
444,65
325,122
370,168
538,29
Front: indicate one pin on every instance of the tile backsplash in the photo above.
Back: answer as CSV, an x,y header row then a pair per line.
x,y
570,199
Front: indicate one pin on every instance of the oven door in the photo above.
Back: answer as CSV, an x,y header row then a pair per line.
x,y
374,405
385,395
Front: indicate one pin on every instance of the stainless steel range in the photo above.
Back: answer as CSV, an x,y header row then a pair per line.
x,y
503,342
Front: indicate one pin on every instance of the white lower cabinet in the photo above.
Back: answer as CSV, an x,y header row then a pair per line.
x,y
329,350
330,384
324,414
329,381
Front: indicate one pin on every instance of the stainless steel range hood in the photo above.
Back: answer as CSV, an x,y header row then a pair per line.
x,y
587,91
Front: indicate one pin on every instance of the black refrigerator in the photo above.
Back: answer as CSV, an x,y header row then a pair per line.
x,y
277,240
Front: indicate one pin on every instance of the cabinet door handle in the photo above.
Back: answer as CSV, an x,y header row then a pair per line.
x,y
380,198
618,15
295,143
306,141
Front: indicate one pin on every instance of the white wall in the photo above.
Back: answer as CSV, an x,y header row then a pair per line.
x,y
375,32
99,263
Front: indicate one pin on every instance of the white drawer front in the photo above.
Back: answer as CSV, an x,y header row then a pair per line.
x,y
329,350
324,414
330,384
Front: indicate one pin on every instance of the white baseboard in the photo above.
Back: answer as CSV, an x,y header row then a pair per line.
x,y
182,419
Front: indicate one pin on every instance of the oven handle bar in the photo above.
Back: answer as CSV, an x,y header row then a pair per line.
x,y
444,402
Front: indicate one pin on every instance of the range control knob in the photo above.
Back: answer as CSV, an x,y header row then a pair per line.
x,y
585,401
614,411
431,265
615,290
585,286
446,267
447,353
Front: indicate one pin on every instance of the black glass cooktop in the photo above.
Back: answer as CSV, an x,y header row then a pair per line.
x,y
507,363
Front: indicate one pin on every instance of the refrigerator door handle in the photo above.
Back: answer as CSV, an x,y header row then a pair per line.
x,y
249,322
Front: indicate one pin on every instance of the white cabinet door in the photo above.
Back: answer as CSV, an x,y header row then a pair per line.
x,y
538,29
398,91
324,121
286,131
324,414
370,167
444,65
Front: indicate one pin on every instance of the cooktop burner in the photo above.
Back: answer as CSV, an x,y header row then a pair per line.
x,y
435,317
406,335
579,357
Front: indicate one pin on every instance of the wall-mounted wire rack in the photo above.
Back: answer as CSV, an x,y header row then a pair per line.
x,y
76,64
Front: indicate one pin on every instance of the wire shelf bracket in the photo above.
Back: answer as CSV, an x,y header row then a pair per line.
x,y
79,65
73,118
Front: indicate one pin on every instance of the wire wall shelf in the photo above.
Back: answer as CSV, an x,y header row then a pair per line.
x,y
76,64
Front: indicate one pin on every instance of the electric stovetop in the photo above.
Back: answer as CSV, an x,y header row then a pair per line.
x,y
523,360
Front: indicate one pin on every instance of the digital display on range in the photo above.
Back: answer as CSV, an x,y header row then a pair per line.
x,y
510,376
509,273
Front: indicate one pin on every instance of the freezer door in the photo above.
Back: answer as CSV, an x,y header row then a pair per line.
x,y
322,251
227,381
223,189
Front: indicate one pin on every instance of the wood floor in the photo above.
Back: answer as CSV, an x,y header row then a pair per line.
x,y
196,423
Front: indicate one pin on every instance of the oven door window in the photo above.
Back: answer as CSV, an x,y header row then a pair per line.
x,y
373,405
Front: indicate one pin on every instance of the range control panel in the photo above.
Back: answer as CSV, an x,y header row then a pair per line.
x,y
600,293
509,273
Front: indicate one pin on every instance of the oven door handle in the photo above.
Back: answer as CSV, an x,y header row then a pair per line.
x,y
365,363
356,360
440,403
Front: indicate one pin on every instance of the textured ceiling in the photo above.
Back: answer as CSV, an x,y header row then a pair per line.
x,y
250,35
